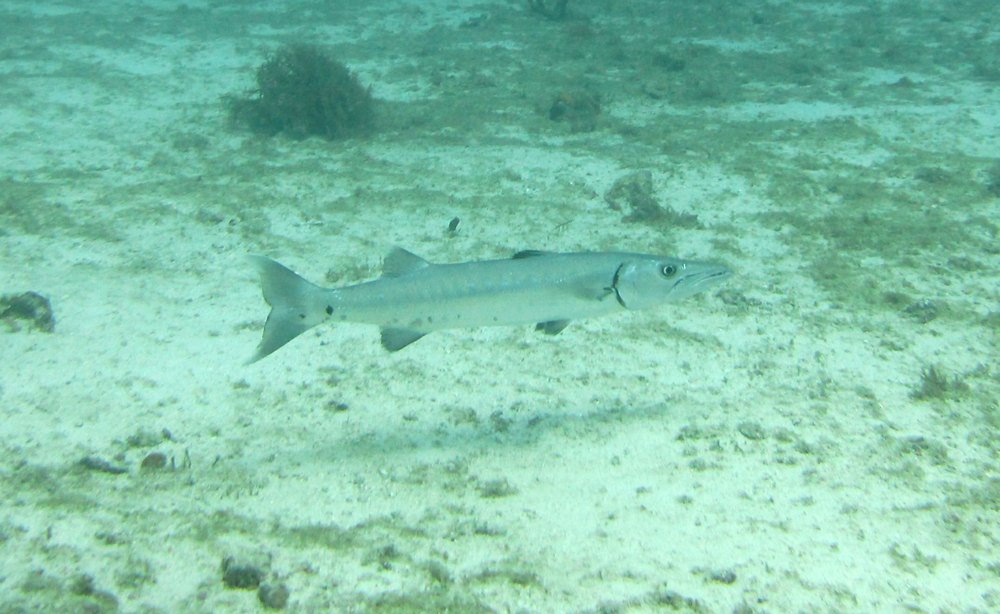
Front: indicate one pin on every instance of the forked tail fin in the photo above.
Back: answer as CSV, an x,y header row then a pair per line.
x,y
293,302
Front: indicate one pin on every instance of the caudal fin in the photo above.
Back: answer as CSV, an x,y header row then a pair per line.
x,y
293,303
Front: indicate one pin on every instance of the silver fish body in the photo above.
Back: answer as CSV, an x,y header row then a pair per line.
x,y
414,297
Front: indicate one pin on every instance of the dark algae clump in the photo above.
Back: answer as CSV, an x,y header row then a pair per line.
x,y
241,574
935,384
302,91
30,309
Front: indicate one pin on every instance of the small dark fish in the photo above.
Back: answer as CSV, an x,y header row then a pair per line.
x,y
95,463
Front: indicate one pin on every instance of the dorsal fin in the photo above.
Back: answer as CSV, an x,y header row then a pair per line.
x,y
529,253
400,262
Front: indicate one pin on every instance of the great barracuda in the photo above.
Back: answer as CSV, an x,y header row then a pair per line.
x,y
414,297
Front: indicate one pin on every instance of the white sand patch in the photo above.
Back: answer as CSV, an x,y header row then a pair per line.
x,y
760,445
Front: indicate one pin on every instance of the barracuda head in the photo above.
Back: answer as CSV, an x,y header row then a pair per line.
x,y
644,281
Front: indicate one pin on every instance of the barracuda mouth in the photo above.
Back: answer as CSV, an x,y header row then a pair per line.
x,y
696,280
717,275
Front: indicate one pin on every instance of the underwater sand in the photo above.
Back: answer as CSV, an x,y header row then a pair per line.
x,y
766,447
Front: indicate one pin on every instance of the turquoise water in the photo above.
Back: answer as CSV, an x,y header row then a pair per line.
x,y
818,433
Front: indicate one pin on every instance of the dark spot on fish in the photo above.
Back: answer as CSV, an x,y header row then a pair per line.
x,y
329,310
453,224
430,320
302,316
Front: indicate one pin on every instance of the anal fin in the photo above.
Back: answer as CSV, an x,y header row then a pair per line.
x,y
395,339
553,327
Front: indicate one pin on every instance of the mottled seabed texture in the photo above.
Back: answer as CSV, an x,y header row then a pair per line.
x,y
820,433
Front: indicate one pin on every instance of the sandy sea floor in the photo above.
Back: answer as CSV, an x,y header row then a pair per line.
x,y
819,434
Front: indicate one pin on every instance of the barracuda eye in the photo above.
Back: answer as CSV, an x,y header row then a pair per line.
x,y
668,270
